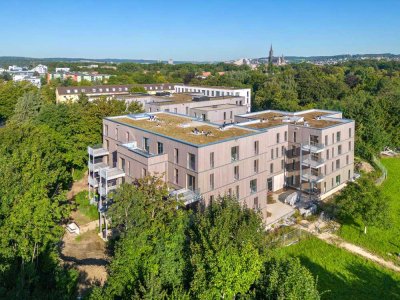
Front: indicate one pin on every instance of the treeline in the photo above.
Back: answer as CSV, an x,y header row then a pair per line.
x,y
160,250
41,146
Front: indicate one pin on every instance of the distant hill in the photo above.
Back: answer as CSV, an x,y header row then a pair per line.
x,y
339,57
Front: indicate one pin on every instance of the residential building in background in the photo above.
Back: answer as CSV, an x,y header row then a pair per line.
x,y
310,151
78,76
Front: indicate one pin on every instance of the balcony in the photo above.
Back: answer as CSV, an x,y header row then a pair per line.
x,y
93,182
104,191
95,167
313,178
313,147
313,163
97,151
187,196
111,173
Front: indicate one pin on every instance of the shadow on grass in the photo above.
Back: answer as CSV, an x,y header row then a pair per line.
x,y
361,282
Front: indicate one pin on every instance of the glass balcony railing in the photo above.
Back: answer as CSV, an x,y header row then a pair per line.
x,y
313,163
313,147
311,177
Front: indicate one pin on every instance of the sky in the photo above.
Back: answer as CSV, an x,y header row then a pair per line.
x,y
197,30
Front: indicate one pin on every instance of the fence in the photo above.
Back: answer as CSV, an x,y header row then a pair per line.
x,y
288,238
382,169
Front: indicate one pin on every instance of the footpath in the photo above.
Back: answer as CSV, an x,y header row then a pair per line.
x,y
316,229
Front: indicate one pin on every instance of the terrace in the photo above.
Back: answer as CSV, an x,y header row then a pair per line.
x,y
177,98
183,128
309,119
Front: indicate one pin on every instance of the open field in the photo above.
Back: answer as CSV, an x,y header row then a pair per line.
x,y
381,240
344,275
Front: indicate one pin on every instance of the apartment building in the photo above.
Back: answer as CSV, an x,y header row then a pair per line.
x,y
72,93
262,153
77,76
217,91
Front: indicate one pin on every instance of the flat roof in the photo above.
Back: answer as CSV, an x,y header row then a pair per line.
x,y
213,87
275,118
182,128
177,98
218,107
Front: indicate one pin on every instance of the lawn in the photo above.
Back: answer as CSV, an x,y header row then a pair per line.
x,y
381,240
85,211
344,275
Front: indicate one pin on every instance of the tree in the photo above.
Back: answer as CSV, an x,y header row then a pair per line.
x,y
285,278
226,250
137,89
27,107
365,201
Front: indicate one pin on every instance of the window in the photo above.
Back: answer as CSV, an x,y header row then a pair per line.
x,y
293,150
255,166
339,149
277,138
191,182
236,172
256,148
347,159
272,153
277,152
349,176
191,161
283,150
116,134
176,155
314,156
282,164
212,160
127,136
146,144
160,148
271,168
337,164
235,153
255,204
237,192
224,115
212,181
349,132
327,154
314,140
211,199
326,140
333,152
337,179
253,186
285,136
144,172
231,114
107,145
230,192
350,146
106,130
293,164
295,137
176,176
122,162
129,168
338,136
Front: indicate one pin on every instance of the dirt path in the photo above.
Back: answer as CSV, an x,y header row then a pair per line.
x,y
339,242
86,253
78,186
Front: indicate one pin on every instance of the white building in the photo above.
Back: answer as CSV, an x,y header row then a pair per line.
x,y
63,70
14,68
32,79
217,91
41,69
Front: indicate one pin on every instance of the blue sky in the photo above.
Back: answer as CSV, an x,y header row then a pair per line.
x,y
197,30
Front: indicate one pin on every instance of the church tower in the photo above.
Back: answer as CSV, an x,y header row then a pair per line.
x,y
271,55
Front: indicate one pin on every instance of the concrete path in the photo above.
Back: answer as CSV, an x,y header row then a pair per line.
x,y
335,240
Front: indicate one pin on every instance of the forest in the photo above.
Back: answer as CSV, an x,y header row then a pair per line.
x,y
165,251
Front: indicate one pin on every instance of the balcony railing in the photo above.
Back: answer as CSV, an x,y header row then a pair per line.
x,y
313,163
311,177
97,151
95,167
93,181
102,189
313,147
187,196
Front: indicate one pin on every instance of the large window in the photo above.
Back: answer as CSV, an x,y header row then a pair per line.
x,y
339,149
236,172
337,179
338,136
337,164
314,140
160,148
285,136
271,168
235,153
191,182
253,186
176,176
191,161
255,166
146,144
176,155
212,181
277,138
256,147
212,160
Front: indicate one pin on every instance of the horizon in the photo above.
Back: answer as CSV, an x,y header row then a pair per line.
x,y
198,31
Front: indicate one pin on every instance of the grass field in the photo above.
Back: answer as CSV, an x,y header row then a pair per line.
x,y
344,275
89,212
381,240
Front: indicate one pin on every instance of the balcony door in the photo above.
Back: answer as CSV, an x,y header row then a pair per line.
x,y
191,182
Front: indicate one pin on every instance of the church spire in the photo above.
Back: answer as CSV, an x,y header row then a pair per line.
x,y
271,54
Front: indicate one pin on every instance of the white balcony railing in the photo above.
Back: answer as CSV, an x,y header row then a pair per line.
x,y
97,151
311,177
313,147
313,163
93,181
